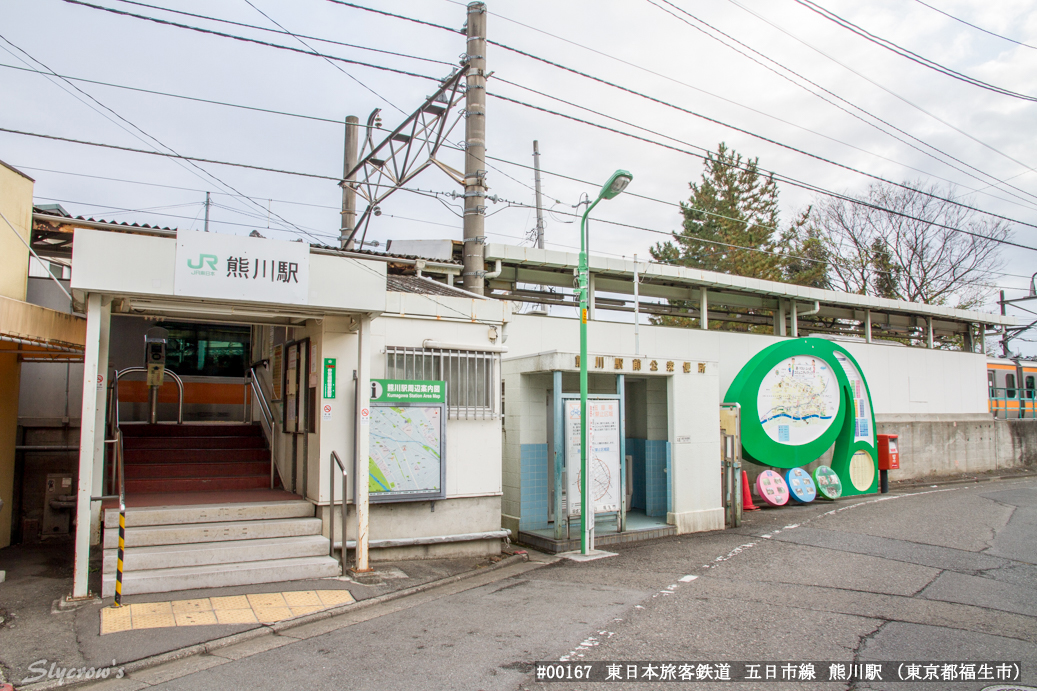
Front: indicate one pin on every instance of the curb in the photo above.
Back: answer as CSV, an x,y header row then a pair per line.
x,y
960,481
278,627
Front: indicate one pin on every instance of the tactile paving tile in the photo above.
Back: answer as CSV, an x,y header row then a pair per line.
x,y
202,605
266,600
269,615
297,611
331,598
236,616
230,602
195,618
115,619
302,598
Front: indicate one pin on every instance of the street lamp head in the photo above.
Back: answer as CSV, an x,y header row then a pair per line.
x,y
616,184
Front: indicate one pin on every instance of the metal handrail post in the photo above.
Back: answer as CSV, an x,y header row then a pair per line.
x,y
331,482
176,380
122,519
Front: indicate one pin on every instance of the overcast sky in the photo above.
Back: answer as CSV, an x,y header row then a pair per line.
x,y
630,42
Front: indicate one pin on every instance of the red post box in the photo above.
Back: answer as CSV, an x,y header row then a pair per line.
x,y
889,454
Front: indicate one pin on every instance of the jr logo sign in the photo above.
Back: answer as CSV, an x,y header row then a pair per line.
x,y
204,260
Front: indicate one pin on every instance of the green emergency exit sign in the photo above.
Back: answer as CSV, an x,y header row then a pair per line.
x,y
329,377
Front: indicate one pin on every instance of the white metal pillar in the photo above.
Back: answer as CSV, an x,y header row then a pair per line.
x,y
781,328
867,326
99,418
363,444
703,309
97,317
795,320
929,332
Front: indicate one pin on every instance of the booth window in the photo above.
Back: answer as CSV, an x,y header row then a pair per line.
x,y
471,377
208,350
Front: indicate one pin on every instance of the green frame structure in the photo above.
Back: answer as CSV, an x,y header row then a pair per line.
x,y
760,448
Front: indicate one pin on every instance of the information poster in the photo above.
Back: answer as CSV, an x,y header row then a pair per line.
x,y
798,400
602,459
861,407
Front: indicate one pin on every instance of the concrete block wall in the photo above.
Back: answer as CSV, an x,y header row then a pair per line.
x,y
943,445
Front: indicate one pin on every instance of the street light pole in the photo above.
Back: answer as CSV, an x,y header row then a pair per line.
x,y
615,185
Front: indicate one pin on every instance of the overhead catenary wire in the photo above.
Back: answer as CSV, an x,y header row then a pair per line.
x,y
285,32
315,53
908,54
978,28
128,126
930,151
892,93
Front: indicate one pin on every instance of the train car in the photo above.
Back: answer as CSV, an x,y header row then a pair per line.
x,y
1011,386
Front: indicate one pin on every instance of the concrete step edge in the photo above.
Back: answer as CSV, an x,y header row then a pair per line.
x,y
140,516
221,575
149,557
204,533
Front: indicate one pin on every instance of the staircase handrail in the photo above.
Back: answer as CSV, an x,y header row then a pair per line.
x,y
119,374
267,415
331,507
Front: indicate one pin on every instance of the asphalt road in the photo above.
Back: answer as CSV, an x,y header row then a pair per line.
x,y
943,573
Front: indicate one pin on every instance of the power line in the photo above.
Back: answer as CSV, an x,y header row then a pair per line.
x,y
729,126
908,54
249,40
174,154
397,16
836,96
167,155
978,28
888,91
285,32
326,59
315,53
777,176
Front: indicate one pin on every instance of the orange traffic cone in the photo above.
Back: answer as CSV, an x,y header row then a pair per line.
x,y
747,497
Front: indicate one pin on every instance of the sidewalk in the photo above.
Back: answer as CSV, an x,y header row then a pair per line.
x,y
37,636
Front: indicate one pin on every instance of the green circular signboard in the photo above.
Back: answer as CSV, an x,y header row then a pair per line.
x,y
800,397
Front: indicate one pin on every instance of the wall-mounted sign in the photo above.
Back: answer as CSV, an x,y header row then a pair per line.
x,y
406,452
798,398
602,458
329,377
235,267
404,390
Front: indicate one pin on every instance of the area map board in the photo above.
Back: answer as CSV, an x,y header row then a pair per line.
x,y
798,398
603,461
407,441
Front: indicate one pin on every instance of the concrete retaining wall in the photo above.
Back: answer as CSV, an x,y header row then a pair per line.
x,y
934,445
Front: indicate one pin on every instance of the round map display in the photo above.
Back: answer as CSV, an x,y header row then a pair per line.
x,y
827,482
771,488
801,487
797,400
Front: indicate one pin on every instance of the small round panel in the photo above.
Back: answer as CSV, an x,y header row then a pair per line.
x,y
771,488
801,487
862,470
827,482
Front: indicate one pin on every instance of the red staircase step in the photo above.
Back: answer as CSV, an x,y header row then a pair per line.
x,y
141,485
146,456
190,430
197,470
249,442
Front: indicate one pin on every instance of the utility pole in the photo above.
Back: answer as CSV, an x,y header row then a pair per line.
x,y
475,152
348,191
539,202
207,202
637,310
1004,329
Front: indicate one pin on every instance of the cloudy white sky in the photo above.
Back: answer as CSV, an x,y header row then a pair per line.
x,y
633,43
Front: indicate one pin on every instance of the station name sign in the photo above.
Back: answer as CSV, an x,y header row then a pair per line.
x,y
235,267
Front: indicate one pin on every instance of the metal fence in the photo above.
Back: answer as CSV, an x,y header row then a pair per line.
x,y
472,377
1013,403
